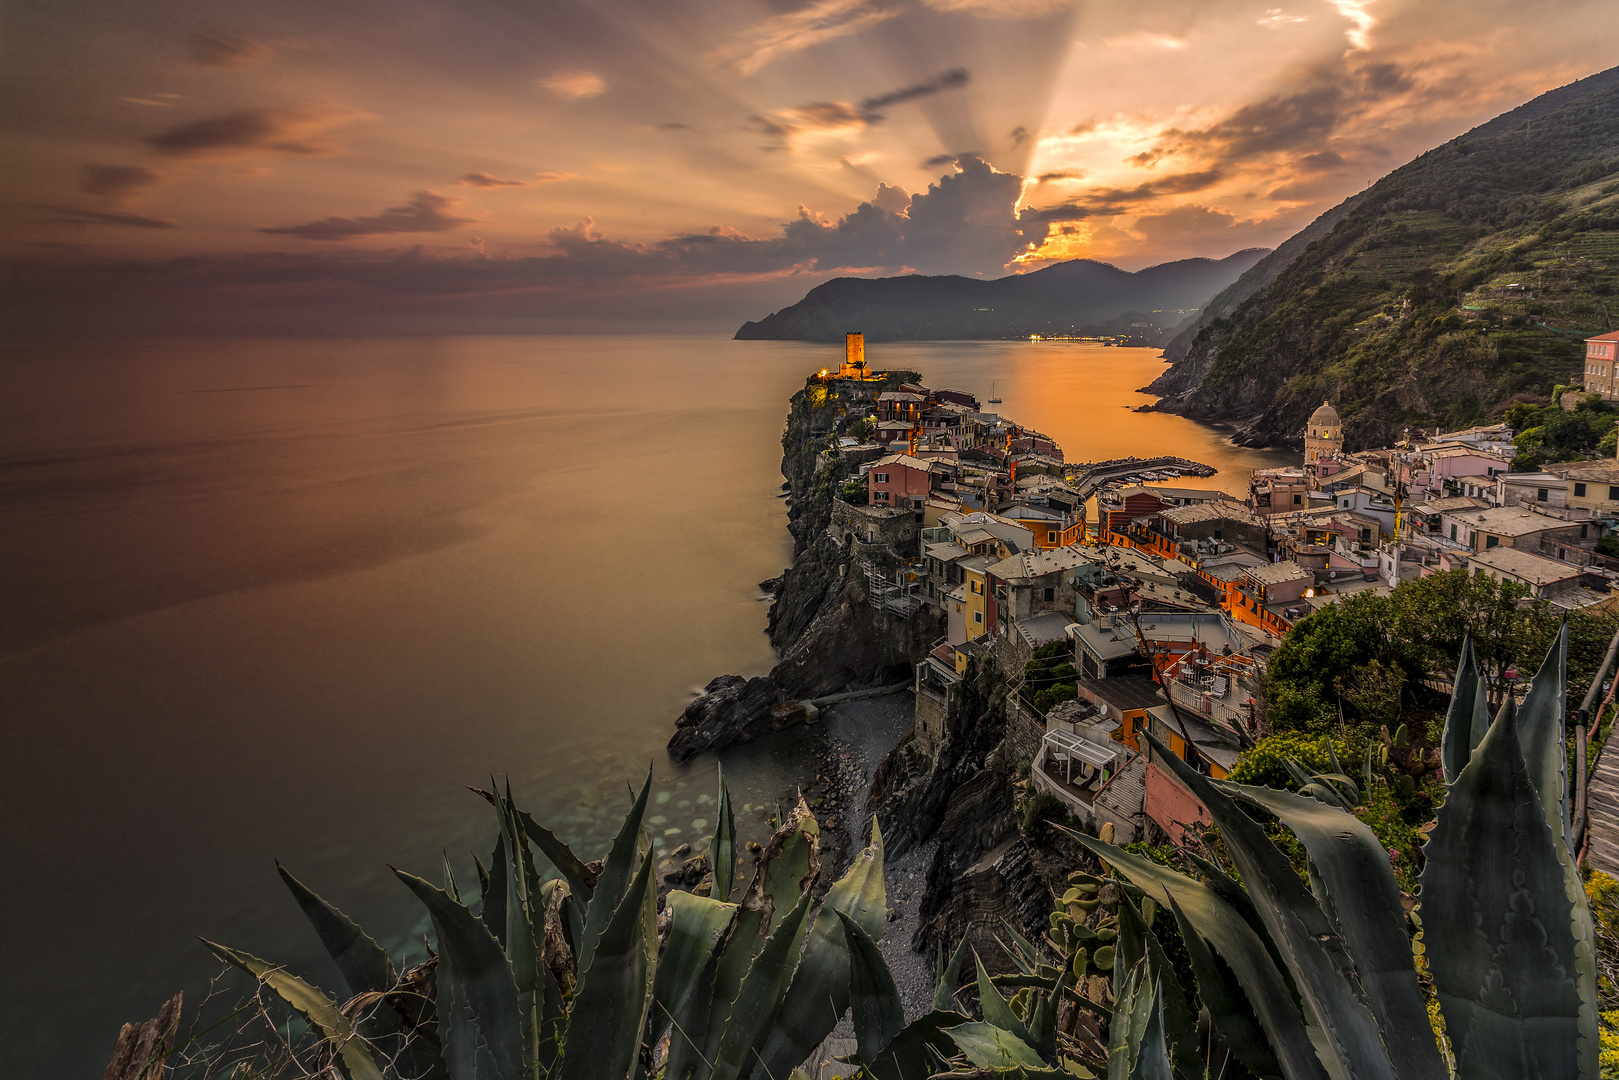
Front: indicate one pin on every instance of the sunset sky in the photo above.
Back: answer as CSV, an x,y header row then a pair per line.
x,y
489,159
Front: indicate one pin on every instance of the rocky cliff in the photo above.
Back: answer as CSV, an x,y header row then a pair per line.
x,y
1454,285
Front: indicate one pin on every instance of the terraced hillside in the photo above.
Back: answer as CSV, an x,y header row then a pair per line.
x,y
1460,282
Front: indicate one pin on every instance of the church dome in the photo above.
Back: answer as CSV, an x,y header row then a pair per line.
x,y
1325,416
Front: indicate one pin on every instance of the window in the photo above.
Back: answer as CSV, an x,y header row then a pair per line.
x,y
1579,491
978,616
978,588
1583,529
1540,494
1049,594
1051,537
1297,499
1613,493
881,477
1491,541
1453,532
1217,534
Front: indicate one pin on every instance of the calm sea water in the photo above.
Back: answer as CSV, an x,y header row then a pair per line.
x,y
284,599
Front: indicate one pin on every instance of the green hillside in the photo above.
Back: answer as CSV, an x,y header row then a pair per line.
x,y
1457,284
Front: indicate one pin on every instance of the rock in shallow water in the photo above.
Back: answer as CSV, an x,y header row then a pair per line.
x,y
731,710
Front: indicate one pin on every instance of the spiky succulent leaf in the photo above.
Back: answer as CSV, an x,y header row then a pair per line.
x,y
481,999
1361,897
759,998
1230,1014
989,1046
874,1000
944,992
363,963
995,1008
449,880
1468,716
493,912
615,878
722,847
696,925
1498,925
573,870
1311,946
819,991
1137,943
1231,936
610,1004
521,946
909,1055
1043,1022
314,1006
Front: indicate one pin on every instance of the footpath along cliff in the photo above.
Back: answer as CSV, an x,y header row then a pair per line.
x,y
957,791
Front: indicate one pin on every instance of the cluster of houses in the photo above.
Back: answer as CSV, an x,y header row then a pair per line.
x,y
1155,608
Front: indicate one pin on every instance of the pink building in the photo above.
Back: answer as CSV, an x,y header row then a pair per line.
x,y
897,480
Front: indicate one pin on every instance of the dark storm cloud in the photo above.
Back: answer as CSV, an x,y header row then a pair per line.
x,y
945,159
225,50
72,216
426,212
485,180
115,182
1176,184
1053,177
953,79
286,131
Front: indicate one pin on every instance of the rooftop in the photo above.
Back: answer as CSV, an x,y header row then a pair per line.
x,y
1209,511
1033,564
1451,505
1602,469
1524,566
904,460
1508,521
1124,693
1044,628
1277,573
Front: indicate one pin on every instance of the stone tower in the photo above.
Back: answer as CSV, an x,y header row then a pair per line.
x,y
1324,435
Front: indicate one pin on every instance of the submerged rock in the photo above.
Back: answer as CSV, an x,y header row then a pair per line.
x,y
731,710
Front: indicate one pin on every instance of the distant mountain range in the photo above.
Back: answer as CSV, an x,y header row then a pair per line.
x,y
1077,297
1459,282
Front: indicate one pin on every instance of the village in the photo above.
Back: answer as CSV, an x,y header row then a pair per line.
x,y
1110,607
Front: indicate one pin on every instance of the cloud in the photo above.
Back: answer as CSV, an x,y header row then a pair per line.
x,y
1276,18
953,79
157,101
1058,176
1175,184
426,212
116,182
73,216
1360,21
225,50
484,180
553,177
1321,161
1003,9
794,31
574,85
947,159
252,131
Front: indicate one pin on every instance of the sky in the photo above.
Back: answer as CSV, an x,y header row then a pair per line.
x,y
480,164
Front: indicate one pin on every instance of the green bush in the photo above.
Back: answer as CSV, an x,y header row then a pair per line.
x,y
1262,764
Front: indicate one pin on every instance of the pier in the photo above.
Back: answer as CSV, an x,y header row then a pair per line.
x,y
1094,474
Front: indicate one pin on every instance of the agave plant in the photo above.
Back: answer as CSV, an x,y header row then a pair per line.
x,y
1310,982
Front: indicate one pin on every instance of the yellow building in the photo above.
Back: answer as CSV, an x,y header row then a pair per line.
x,y
1592,485
1323,435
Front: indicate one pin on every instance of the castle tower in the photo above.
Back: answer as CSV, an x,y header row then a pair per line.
x,y
854,357
1323,435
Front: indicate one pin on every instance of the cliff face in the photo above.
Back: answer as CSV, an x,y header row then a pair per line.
x,y
1462,279
1078,296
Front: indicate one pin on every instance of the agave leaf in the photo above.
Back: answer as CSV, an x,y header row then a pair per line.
x,y
559,854
363,963
1363,900
1300,775
1467,713
1132,1002
321,1011
1342,780
722,847
522,946
990,1046
615,878
689,1024
483,875
944,992
1136,942
879,1014
1236,941
493,912
1043,1021
1322,793
696,925
1229,1011
484,994
1025,948
908,1054
995,1008
820,989
789,862
1321,966
1543,738
1499,926
760,995
610,1004
449,880
1152,1056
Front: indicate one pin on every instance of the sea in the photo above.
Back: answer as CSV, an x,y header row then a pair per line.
x,y
288,599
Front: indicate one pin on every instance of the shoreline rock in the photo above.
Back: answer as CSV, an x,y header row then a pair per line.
x,y
732,709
